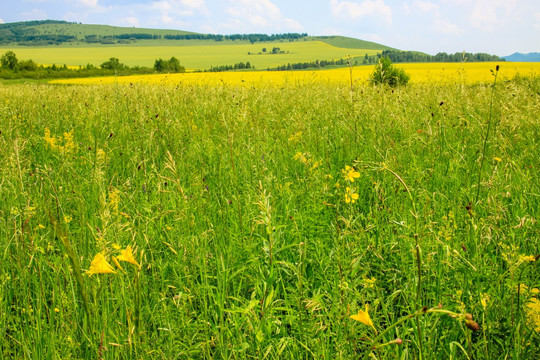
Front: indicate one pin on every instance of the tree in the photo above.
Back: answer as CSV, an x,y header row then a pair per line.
x,y
9,60
28,65
386,73
113,64
174,65
171,65
160,65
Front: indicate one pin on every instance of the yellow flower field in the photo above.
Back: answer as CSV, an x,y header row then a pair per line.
x,y
419,72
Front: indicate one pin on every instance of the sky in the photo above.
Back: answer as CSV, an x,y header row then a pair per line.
x,y
499,27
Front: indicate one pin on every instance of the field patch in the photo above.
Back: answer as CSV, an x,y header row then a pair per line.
x,y
449,73
192,57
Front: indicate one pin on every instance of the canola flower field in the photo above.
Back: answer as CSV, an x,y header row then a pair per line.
x,y
444,73
307,220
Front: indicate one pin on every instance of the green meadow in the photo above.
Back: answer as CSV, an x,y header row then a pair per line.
x,y
294,222
198,56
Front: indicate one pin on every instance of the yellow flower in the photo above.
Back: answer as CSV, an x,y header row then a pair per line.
x,y
498,159
67,219
127,256
100,266
350,173
364,318
117,264
350,196
533,313
484,300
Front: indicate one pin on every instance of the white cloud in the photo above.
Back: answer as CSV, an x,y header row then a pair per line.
x,y
446,27
34,14
171,10
129,21
440,25
535,15
89,3
1,21
485,13
262,14
372,37
355,10
426,6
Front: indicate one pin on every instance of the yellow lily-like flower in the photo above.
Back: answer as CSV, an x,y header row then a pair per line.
x,y
350,196
100,266
350,173
127,256
364,318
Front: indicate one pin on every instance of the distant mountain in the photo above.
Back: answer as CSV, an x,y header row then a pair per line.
x,y
519,57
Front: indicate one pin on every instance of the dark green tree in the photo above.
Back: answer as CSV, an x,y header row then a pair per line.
x,y
9,61
386,73
28,65
113,64
160,65
174,65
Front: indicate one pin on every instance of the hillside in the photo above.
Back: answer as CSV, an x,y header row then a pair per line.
x,y
62,33
519,57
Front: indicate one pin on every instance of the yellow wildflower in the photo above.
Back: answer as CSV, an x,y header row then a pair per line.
x,y
117,264
350,196
301,157
350,173
484,300
498,159
100,266
364,318
533,313
67,219
127,256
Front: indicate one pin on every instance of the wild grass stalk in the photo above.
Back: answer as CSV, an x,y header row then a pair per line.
x,y
486,137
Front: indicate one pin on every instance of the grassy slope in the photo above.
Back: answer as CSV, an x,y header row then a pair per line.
x,y
192,57
351,43
194,54
82,30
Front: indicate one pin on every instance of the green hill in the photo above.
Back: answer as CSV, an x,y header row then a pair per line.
x,y
74,44
351,43
62,33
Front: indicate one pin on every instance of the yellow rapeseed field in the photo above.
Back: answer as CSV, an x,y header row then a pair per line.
x,y
468,73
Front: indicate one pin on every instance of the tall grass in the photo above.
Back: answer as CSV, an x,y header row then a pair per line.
x,y
234,201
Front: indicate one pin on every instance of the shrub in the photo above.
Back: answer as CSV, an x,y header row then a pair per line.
x,y
386,73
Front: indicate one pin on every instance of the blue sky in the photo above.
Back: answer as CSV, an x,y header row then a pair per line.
x,y
498,27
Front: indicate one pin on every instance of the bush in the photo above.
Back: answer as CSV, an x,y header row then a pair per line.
x,y
386,73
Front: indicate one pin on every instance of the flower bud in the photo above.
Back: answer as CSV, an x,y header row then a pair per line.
x,y
473,325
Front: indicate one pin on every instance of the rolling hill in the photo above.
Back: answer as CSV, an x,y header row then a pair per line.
x,y
60,42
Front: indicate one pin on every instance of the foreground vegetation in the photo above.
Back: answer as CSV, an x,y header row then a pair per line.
x,y
253,221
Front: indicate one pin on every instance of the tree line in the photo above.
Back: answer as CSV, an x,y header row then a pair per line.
x,y
237,66
412,56
13,68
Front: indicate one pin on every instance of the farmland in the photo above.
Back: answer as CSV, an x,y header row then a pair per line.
x,y
190,218
441,73
191,56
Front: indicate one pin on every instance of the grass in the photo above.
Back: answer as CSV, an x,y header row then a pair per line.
x,y
192,56
233,198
